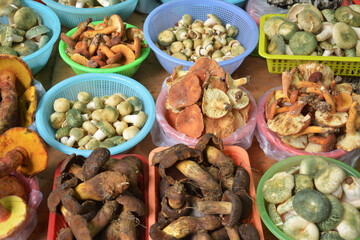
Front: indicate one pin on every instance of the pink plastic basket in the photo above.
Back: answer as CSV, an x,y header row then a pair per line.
x,y
57,222
165,135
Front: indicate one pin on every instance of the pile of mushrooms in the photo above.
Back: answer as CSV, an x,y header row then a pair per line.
x,y
92,122
107,45
25,33
203,194
314,200
308,31
201,100
89,3
98,196
314,111
189,40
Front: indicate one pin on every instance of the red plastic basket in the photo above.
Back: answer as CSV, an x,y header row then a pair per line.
x,y
237,154
57,222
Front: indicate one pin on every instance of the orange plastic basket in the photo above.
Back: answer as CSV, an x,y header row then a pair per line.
x,y
57,222
237,154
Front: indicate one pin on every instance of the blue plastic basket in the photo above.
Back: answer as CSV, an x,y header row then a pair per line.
x,y
97,85
72,16
239,3
166,15
38,59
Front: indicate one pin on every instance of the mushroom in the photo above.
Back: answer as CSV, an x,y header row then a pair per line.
x,y
276,45
309,20
25,18
124,108
347,15
271,25
278,188
130,132
238,98
287,30
328,179
303,43
329,49
61,105
92,144
105,129
229,206
117,140
13,215
25,48
351,188
120,126
326,32
61,133
236,83
75,135
348,226
96,115
110,114
84,4
95,103
351,140
344,36
329,15
327,143
212,20
57,119
136,103
74,118
286,124
138,120
299,228
83,141
335,120
215,103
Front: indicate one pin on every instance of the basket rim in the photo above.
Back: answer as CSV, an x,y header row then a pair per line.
x,y
42,121
223,4
55,33
285,164
62,46
263,51
74,10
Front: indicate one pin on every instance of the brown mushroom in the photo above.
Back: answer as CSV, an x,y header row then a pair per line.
x,y
221,127
122,228
170,117
217,158
343,101
327,143
137,47
351,140
202,235
241,180
209,65
286,125
116,21
74,207
80,29
216,82
131,203
93,163
209,139
232,233
65,234
202,74
127,55
220,234
190,121
156,232
337,119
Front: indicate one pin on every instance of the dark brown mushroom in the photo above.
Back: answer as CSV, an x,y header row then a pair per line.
x,y
54,200
209,139
156,232
247,231
66,180
218,158
220,234
159,156
122,228
73,205
132,203
93,163
171,214
201,235
65,234
233,233
71,161
241,180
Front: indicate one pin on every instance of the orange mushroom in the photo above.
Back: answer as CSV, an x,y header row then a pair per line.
x,y
351,140
127,54
170,117
316,129
190,121
202,74
217,82
221,127
116,21
185,92
343,101
209,65
327,143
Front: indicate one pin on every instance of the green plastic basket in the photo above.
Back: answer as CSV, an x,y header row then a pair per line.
x,y
345,66
127,70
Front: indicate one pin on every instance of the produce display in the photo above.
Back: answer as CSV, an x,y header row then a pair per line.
x,y
314,111
321,4
93,122
108,44
18,95
213,105
89,3
203,194
98,196
25,33
189,40
315,199
308,31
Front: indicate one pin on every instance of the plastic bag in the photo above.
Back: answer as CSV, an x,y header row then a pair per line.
x,y
164,135
40,92
258,8
31,186
274,148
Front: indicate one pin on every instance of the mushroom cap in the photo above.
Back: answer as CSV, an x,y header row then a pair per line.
x,y
62,132
36,31
309,20
73,118
136,103
106,128
115,20
287,29
276,45
303,43
92,144
25,18
77,133
18,214
130,132
271,25
25,48
344,36
238,98
84,97
215,103
296,142
286,125
236,208
337,119
110,114
190,121
294,11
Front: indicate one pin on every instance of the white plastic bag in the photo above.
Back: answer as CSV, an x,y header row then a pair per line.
x,y
274,148
258,8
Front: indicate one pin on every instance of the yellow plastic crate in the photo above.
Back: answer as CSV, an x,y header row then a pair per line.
x,y
345,66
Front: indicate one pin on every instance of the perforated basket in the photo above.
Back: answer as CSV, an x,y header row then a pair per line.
x,y
97,85
346,66
166,15
239,3
72,16
38,59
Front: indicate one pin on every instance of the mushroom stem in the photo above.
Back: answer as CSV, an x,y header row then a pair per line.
x,y
99,135
286,78
214,207
4,213
271,110
296,108
315,129
350,123
327,53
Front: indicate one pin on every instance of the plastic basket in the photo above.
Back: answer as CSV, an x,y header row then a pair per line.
x,y
237,154
97,85
242,136
57,222
166,15
283,166
239,3
72,16
38,59
347,66
276,149
127,70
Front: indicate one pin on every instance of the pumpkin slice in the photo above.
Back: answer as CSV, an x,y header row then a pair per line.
x,y
27,107
190,121
24,77
286,125
127,55
209,65
185,92
32,142
295,142
221,127
336,120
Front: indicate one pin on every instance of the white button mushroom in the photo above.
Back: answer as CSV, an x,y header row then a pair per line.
x,y
137,120
61,105
105,129
75,135
130,132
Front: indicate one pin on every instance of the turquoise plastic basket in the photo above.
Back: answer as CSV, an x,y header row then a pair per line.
x,y
38,59
72,16
167,14
97,85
